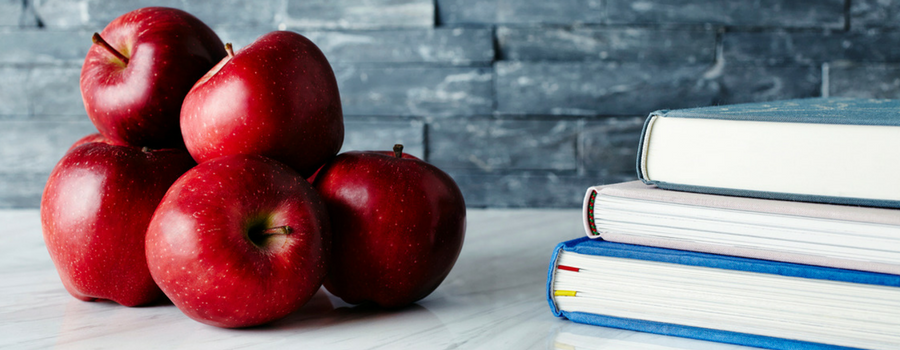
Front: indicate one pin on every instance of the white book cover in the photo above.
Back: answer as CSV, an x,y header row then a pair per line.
x,y
850,237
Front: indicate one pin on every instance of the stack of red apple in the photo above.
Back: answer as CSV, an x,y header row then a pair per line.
x,y
241,238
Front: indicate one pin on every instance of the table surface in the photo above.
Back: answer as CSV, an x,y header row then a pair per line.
x,y
493,299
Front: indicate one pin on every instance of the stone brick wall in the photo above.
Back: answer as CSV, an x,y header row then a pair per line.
x,y
524,102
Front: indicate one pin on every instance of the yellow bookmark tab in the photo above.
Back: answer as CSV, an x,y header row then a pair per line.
x,y
560,346
564,293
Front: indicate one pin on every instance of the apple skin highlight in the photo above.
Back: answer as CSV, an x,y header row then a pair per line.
x,y
239,241
277,97
94,215
138,102
398,226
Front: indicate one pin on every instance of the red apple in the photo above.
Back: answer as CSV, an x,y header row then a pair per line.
x,y
135,77
239,241
94,214
277,97
95,137
398,225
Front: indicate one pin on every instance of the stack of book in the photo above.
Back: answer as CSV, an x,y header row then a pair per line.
x,y
773,225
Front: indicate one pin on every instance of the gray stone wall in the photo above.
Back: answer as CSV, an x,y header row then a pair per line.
x,y
524,102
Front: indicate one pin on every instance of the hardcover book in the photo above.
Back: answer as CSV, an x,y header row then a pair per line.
x,y
841,236
830,150
726,299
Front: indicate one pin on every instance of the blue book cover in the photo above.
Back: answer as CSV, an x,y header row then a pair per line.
x,y
826,150
821,110
846,309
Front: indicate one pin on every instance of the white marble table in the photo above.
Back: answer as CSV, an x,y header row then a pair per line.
x,y
493,299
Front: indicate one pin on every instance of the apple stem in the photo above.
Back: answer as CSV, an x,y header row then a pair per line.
x,y
229,50
278,230
97,39
398,150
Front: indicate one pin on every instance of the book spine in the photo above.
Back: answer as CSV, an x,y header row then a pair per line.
x,y
551,277
590,224
643,145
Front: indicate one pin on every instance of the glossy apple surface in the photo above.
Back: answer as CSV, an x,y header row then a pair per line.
x,y
137,100
94,215
95,137
398,225
239,241
276,97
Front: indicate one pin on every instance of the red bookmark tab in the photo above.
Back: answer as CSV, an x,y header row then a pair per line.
x,y
567,268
